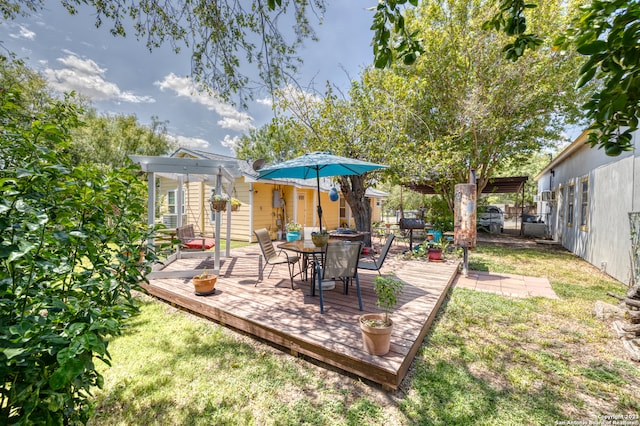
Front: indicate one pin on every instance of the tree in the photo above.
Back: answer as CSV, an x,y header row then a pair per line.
x,y
70,242
606,32
471,108
108,140
346,127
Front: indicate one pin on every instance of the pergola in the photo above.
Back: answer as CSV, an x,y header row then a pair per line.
x,y
497,185
184,170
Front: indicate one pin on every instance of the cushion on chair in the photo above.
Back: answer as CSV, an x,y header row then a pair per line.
x,y
197,243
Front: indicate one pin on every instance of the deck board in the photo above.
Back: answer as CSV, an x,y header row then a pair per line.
x,y
272,311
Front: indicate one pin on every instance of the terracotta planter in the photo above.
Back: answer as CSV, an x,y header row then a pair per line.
x,y
204,285
435,254
375,340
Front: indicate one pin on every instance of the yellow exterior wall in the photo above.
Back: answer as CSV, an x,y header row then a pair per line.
x,y
264,215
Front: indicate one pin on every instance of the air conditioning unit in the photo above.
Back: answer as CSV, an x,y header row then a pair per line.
x,y
537,198
171,220
548,195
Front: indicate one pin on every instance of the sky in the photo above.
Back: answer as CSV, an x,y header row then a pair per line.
x,y
121,76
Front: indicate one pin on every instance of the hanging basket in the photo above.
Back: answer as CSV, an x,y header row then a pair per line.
x,y
219,206
235,208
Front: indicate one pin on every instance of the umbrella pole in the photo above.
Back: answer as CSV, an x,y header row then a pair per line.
x,y
319,207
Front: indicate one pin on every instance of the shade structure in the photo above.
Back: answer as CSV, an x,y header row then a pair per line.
x,y
317,165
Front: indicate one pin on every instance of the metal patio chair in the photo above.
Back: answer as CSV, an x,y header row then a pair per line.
x,y
340,263
273,257
376,263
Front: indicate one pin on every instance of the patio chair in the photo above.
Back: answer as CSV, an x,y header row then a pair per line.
x,y
340,263
375,264
273,257
187,239
307,231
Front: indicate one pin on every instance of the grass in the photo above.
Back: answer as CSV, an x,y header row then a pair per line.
x,y
488,360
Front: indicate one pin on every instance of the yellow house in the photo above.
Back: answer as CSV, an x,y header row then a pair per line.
x,y
264,204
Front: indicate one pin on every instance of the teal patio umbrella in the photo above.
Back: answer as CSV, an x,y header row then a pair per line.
x,y
317,165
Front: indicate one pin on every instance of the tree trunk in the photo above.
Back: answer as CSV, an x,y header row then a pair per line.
x,y
353,189
634,292
632,302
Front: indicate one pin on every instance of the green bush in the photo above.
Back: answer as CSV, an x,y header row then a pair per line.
x,y
70,243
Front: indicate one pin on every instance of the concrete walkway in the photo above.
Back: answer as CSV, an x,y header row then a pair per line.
x,y
506,284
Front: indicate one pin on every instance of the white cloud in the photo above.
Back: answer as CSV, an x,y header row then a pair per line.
x,y
23,33
231,142
186,142
265,101
232,119
87,78
296,95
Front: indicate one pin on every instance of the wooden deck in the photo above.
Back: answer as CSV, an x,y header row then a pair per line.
x,y
292,319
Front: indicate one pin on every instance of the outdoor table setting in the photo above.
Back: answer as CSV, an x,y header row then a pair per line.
x,y
311,254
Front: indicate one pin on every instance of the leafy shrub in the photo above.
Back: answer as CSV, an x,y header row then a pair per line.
x,y
70,244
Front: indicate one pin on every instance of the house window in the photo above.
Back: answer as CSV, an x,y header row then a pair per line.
x,y
584,203
570,203
561,203
172,201
344,220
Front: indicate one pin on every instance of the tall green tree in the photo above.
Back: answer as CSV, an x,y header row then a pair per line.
x,y
605,32
472,108
347,127
108,140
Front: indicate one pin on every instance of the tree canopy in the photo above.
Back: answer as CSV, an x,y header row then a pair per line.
x,y
605,32
226,35
465,106
109,140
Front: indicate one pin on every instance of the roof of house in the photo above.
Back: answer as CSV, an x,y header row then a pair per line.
x,y
565,153
246,168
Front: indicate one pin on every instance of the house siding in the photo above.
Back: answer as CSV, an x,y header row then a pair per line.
x,y
612,181
257,209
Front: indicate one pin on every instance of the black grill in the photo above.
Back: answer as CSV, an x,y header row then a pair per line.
x,y
411,223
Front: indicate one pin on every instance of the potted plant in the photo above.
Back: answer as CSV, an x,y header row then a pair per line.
x,y
219,202
437,249
235,204
204,283
376,328
293,231
320,239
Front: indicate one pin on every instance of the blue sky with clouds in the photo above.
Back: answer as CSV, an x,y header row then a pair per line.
x,y
122,77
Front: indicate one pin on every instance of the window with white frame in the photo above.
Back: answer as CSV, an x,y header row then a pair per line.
x,y
571,199
172,198
561,203
584,203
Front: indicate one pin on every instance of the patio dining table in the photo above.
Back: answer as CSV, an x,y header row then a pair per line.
x,y
311,254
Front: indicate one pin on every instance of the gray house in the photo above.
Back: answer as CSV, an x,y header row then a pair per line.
x,y
585,198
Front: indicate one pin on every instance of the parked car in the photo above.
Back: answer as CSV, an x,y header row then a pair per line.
x,y
531,218
490,218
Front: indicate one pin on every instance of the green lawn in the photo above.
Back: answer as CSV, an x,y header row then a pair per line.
x,y
487,360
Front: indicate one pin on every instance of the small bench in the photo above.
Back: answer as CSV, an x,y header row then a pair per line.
x,y
188,240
